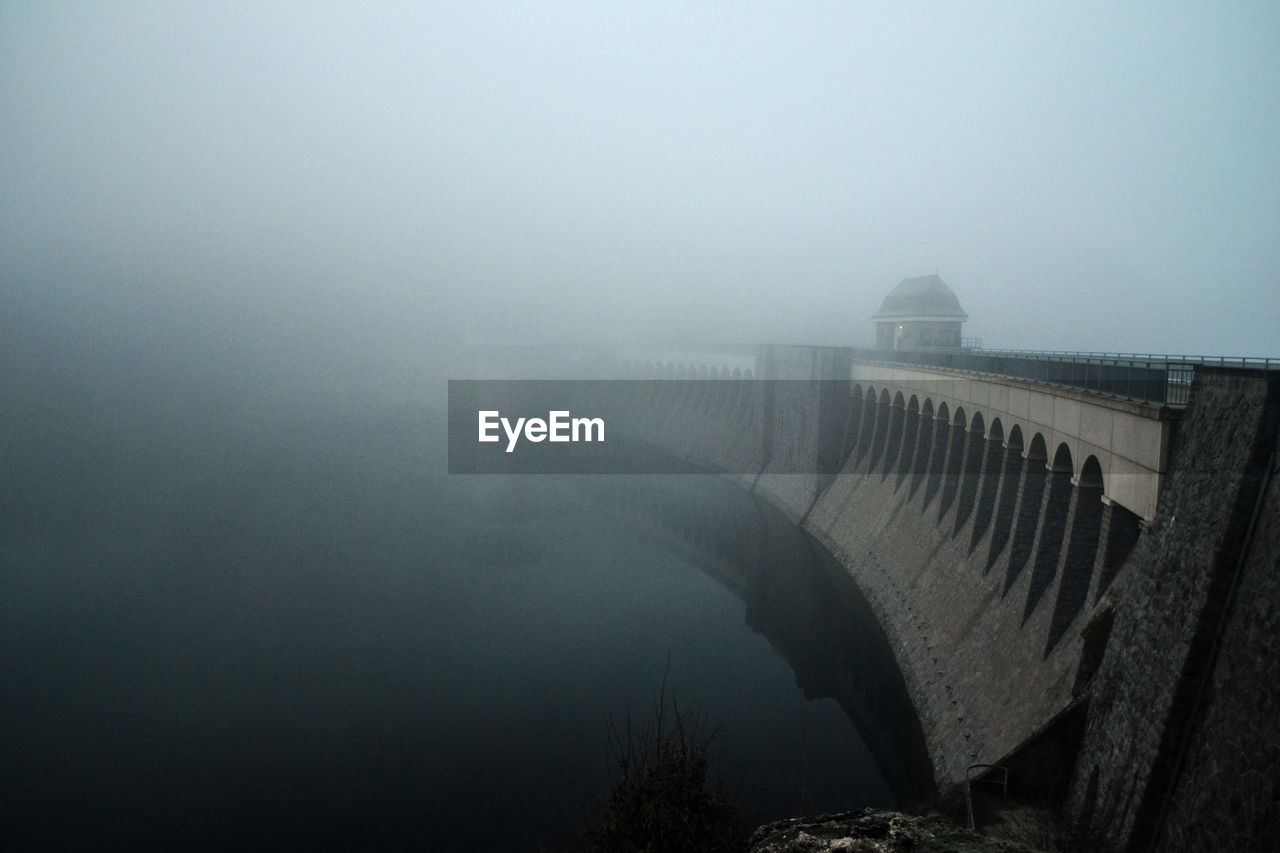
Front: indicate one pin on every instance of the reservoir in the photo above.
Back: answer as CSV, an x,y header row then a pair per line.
x,y
233,626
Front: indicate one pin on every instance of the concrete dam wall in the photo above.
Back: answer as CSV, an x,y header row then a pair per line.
x,y
1111,640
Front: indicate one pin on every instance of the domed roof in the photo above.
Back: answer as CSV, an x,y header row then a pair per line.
x,y
921,298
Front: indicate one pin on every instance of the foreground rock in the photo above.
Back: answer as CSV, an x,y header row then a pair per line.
x,y
883,832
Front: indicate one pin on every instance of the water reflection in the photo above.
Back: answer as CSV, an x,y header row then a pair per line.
x,y
295,631
798,597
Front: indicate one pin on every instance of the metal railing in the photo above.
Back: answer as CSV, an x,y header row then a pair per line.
x,y
1148,377
968,785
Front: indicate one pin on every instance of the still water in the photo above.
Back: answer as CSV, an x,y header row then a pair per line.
x,y
254,628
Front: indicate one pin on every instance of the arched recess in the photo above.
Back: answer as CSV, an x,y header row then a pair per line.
x,y
1082,550
924,447
955,462
992,464
893,446
883,409
937,455
1006,500
910,430
971,470
1035,478
866,425
1053,527
852,425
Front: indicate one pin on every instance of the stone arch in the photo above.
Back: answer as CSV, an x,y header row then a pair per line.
x,y
893,443
1091,474
910,432
1006,500
1062,460
866,422
1085,520
924,447
1031,494
993,459
955,462
883,415
937,454
852,425
1053,527
970,470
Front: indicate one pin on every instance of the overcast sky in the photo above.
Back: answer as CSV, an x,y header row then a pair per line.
x,y
1084,176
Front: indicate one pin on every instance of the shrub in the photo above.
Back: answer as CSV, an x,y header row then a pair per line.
x,y
664,799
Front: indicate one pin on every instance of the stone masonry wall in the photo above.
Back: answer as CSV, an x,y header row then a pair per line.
x,y
1175,739
973,650
1228,793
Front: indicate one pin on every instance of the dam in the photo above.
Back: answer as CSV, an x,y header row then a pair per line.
x,y
1075,571
1071,556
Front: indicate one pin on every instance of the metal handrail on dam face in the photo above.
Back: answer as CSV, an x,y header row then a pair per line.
x,y
1150,378
968,786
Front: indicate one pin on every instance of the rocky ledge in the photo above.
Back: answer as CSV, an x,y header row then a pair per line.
x,y
883,832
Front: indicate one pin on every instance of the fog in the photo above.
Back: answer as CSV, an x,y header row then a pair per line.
x,y
238,242
333,184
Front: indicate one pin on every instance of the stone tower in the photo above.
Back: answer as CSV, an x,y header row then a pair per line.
x,y
919,312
